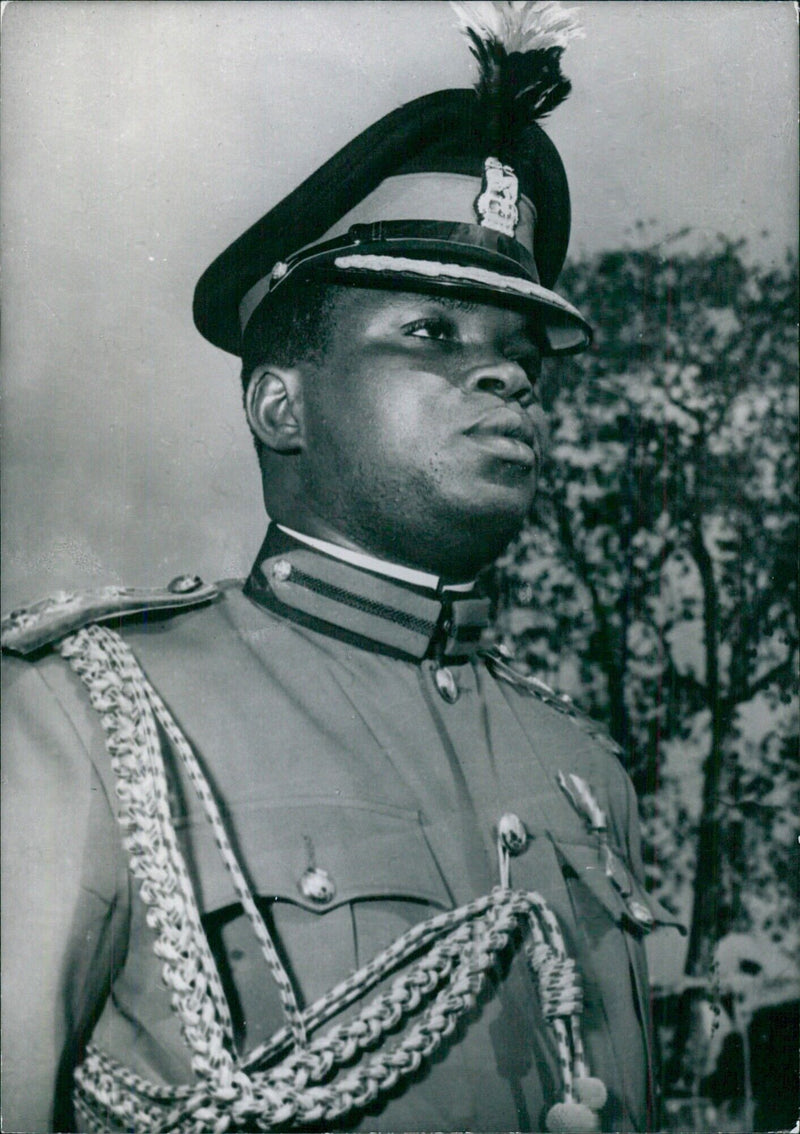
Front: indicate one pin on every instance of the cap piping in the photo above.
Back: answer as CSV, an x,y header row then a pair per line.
x,y
432,269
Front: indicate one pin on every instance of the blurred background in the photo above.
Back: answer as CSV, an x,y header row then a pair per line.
x,y
657,580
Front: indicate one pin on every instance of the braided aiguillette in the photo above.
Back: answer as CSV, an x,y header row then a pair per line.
x,y
293,1081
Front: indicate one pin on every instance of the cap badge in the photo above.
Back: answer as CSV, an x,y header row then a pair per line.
x,y
497,204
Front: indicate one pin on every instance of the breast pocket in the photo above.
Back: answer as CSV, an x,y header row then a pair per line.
x,y
604,888
336,881
318,854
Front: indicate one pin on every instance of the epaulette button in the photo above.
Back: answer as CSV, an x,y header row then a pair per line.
x,y
184,584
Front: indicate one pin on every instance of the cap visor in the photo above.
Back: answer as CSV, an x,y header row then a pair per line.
x,y
566,329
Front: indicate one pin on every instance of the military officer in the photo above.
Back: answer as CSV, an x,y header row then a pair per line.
x,y
297,852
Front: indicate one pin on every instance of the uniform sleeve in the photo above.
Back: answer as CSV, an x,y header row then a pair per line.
x,y
58,895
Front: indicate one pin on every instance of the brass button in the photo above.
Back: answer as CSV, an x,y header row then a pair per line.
x,y
281,570
640,913
184,584
512,833
446,684
317,885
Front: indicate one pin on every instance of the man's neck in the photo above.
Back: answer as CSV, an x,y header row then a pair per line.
x,y
367,562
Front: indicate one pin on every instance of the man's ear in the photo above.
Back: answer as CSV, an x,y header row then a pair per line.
x,y
274,407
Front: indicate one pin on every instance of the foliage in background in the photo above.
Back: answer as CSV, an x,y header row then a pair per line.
x,y
657,580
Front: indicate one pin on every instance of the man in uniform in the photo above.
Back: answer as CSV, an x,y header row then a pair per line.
x,y
298,853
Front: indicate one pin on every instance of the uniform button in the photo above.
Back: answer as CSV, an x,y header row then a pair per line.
x,y
317,885
446,684
512,833
281,570
640,913
184,584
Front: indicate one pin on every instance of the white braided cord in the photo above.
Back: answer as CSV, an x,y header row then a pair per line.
x,y
351,1065
155,860
295,1092
289,1002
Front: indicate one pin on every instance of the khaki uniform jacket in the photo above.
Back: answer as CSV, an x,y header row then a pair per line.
x,y
326,754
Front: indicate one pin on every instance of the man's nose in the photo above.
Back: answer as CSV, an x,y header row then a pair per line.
x,y
504,377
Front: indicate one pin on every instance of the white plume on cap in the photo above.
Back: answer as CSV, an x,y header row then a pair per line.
x,y
519,27
518,48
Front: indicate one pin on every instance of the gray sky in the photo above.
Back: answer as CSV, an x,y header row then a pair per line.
x,y
139,138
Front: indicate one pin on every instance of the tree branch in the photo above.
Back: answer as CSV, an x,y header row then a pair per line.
x,y
784,668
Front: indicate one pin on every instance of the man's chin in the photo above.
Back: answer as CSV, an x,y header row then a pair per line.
x,y
498,528
480,530
506,502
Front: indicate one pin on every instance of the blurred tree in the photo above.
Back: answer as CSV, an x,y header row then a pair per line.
x,y
657,580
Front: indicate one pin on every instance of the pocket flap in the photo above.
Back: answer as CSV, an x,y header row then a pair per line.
x,y
318,854
614,886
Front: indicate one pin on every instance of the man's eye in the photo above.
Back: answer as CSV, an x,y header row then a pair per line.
x,y
433,328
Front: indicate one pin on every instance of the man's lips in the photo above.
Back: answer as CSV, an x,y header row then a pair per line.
x,y
510,435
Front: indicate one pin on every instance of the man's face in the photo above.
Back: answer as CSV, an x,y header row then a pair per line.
x,y
423,433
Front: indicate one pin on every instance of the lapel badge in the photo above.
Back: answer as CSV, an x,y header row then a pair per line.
x,y
497,204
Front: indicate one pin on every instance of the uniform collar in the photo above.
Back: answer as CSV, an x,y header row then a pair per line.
x,y
364,601
379,566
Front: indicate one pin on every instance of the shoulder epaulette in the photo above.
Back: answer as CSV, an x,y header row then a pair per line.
x,y
31,628
500,668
